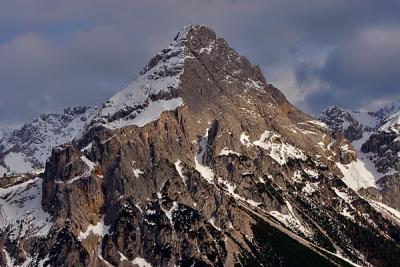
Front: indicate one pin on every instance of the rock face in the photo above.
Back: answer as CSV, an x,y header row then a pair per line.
x,y
385,148
199,162
388,192
27,149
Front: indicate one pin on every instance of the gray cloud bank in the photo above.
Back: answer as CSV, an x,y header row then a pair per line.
x,y
55,54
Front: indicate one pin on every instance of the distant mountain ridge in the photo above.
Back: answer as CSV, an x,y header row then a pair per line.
x,y
375,138
26,149
364,129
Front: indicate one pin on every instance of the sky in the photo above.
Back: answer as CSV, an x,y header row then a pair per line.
x,y
55,54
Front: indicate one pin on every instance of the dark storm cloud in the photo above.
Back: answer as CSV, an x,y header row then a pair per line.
x,y
60,53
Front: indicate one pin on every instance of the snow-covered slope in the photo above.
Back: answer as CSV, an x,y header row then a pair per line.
x,y
153,92
21,210
362,172
27,149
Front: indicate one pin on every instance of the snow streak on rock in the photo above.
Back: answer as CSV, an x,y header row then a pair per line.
x,y
179,169
100,229
290,220
277,148
205,171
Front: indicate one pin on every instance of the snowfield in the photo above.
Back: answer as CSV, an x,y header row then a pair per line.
x,y
21,209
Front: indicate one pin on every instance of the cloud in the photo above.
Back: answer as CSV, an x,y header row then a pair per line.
x,y
364,69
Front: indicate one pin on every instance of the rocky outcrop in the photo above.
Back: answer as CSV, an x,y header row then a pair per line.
x,y
388,192
65,163
9,181
343,150
390,188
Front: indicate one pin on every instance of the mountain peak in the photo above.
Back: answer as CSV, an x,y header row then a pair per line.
x,y
157,88
182,41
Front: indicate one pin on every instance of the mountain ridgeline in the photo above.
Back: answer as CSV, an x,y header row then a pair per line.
x,y
198,162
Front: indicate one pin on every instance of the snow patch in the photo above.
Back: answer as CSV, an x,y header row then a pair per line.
x,y
245,140
169,213
319,123
226,152
212,222
361,173
278,150
122,257
208,48
356,175
297,176
231,190
179,169
395,214
136,171
151,113
100,229
310,188
311,173
141,262
346,212
88,147
392,124
342,195
91,165
252,84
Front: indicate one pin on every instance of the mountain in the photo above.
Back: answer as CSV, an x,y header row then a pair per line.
x,y
375,137
26,149
199,162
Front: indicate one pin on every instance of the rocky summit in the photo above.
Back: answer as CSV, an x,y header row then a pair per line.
x,y
198,162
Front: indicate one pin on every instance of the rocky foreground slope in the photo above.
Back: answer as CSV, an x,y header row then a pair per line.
x,y
199,162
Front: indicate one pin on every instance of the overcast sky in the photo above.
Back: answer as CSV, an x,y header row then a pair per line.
x,y
55,54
